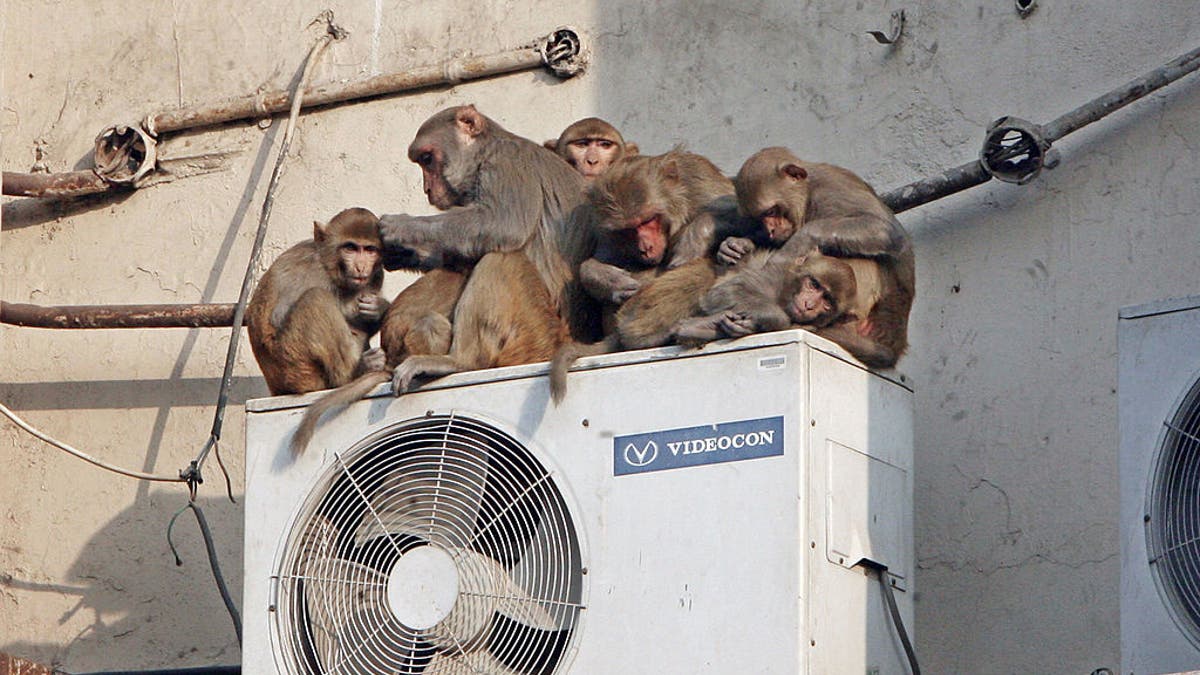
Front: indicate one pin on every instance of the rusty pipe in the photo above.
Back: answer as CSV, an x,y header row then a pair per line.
x,y
560,51
214,315
53,185
125,154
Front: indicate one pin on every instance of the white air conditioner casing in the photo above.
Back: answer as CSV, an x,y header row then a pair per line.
x,y
1159,363
733,566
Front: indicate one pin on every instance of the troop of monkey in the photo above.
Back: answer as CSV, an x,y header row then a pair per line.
x,y
533,258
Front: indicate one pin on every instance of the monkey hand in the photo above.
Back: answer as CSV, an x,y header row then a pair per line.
x,y
733,249
607,283
371,307
736,324
411,258
403,375
372,360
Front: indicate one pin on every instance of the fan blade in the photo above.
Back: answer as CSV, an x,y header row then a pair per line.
x,y
433,495
545,572
467,664
485,588
344,600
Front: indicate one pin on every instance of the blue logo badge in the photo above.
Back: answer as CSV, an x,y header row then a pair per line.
x,y
693,446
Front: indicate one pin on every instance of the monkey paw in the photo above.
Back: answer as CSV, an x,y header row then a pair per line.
x,y
374,359
736,325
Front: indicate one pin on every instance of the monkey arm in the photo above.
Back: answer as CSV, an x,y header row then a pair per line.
x,y
465,233
702,233
862,235
607,283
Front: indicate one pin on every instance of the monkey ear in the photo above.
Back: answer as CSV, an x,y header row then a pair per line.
x,y
551,145
795,171
631,149
670,169
318,231
470,121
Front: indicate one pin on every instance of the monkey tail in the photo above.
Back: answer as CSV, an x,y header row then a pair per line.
x,y
338,398
568,354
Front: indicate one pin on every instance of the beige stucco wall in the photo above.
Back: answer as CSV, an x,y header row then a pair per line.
x,y
1013,330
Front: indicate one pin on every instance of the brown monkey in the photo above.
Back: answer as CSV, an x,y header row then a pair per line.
x,y
499,192
491,328
647,207
842,215
591,145
316,306
815,291
835,211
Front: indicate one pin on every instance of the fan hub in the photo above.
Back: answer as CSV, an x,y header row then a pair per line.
x,y
422,587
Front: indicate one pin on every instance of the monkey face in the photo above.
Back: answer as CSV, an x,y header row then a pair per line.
x,y
437,189
811,303
777,224
592,156
645,240
359,262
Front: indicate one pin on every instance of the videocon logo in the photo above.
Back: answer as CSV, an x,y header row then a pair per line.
x,y
694,446
635,456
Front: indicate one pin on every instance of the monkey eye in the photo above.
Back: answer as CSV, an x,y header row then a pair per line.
x,y
606,144
425,159
773,212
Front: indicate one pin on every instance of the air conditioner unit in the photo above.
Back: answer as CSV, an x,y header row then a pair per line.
x,y
682,511
1159,407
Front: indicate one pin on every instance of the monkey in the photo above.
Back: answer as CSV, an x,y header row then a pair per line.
x,y
419,322
646,207
814,291
797,207
591,146
842,216
489,329
317,305
497,192
500,194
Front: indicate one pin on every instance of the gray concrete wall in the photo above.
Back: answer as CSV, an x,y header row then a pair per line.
x,y
1013,330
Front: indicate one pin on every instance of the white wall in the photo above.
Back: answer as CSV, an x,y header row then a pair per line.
x,y
1013,330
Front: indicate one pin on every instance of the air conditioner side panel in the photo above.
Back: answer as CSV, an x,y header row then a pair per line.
x,y
1159,359
860,459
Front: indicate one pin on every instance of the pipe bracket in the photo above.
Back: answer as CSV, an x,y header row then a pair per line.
x,y
1015,151
124,154
562,52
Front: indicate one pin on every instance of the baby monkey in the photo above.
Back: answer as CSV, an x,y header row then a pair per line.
x,y
317,305
815,291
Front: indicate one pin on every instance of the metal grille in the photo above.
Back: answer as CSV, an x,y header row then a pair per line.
x,y
438,545
1173,515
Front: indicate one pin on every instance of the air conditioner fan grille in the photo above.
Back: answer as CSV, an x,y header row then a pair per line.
x,y
1173,514
437,545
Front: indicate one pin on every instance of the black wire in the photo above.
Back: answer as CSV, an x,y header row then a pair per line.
x,y
213,562
890,597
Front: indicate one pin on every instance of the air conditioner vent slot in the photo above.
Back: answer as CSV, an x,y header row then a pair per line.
x,y
439,544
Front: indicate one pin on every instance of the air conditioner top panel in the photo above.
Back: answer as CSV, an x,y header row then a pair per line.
x,y
605,361
1160,307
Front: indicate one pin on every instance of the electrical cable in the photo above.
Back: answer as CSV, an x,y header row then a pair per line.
x,y
213,562
889,597
83,455
332,32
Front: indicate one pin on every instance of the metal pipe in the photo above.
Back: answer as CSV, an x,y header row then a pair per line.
x,y
53,185
125,154
973,173
557,51
214,315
